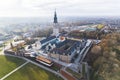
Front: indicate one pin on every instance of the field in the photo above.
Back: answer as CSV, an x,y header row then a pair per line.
x,y
32,72
27,72
8,64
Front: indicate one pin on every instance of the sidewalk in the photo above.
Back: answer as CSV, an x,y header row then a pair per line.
x,y
14,71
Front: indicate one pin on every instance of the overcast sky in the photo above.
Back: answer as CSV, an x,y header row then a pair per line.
x,y
36,8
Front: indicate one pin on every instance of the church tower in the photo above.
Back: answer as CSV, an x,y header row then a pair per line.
x,y
55,18
55,25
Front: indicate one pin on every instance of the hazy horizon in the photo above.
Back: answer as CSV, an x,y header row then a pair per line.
x,y
37,8
11,20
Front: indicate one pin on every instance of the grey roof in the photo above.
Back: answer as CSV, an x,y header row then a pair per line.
x,y
47,39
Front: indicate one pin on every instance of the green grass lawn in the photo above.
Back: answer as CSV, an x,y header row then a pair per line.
x,y
1,49
8,64
32,72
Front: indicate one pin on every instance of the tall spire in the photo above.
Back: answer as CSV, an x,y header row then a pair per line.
x,y
55,17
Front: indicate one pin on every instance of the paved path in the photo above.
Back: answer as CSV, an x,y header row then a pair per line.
x,y
14,71
83,53
2,52
41,66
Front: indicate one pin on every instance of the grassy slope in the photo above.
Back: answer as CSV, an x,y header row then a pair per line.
x,y
32,72
7,64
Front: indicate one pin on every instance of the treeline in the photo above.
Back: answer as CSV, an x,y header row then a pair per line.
x,y
104,58
87,34
43,32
